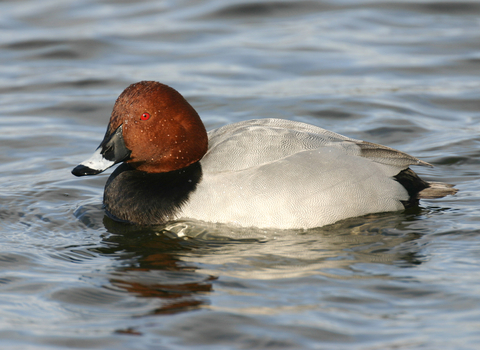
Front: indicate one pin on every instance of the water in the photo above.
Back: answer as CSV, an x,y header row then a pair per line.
x,y
404,74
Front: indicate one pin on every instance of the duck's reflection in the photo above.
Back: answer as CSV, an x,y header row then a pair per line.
x,y
153,267
179,263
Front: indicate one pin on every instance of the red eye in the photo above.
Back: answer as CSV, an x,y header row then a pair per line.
x,y
145,116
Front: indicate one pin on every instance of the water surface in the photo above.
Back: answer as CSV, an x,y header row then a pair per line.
x,y
404,74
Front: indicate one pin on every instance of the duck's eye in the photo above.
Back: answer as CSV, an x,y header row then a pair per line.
x,y
145,116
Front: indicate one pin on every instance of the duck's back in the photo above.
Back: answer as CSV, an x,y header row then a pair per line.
x,y
254,142
285,174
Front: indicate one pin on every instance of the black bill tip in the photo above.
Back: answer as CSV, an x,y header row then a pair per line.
x,y
82,170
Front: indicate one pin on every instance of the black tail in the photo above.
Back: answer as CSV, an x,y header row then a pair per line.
x,y
418,188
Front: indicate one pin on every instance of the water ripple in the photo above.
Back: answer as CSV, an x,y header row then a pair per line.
x,y
403,73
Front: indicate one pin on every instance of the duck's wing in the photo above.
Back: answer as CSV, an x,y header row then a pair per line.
x,y
251,143
311,188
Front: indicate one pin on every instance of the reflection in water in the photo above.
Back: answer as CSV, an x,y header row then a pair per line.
x,y
179,263
399,73
152,268
339,250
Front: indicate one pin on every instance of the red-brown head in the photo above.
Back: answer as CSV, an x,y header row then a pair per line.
x,y
153,128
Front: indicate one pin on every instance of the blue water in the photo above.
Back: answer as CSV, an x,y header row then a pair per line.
x,y
404,74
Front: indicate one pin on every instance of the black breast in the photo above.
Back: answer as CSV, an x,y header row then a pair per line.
x,y
149,199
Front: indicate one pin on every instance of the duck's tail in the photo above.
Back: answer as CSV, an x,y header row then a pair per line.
x,y
420,189
437,190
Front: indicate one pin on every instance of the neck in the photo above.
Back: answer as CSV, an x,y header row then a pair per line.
x,y
149,198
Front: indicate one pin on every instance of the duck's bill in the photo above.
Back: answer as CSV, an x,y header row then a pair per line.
x,y
94,165
111,151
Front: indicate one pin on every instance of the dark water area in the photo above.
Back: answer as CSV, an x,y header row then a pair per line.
x,y
405,74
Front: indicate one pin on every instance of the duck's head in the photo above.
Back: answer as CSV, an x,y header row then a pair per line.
x,y
153,129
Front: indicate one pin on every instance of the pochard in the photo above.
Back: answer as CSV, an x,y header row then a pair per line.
x,y
266,173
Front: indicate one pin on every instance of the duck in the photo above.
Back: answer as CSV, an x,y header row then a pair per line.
x,y
265,173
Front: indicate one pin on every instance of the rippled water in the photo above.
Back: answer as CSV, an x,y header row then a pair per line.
x,y
405,74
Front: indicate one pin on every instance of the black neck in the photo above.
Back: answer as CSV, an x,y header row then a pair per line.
x,y
149,199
